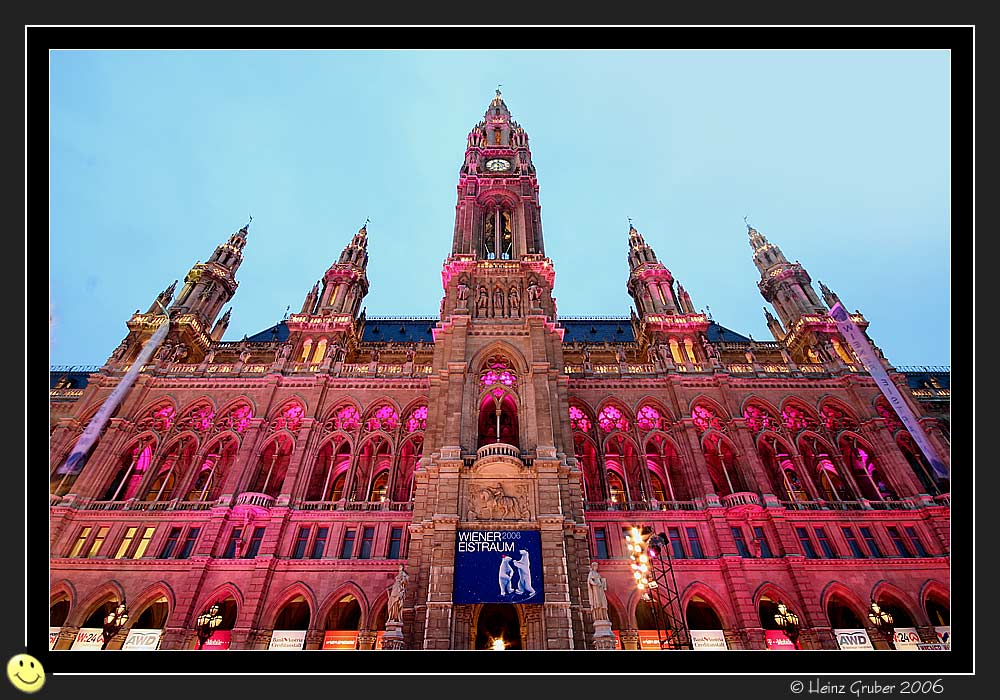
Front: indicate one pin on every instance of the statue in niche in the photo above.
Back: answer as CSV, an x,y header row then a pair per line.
x,y
337,352
165,351
396,594
813,357
483,300
663,350
376,354
751,358
514,298
620,354
596,587
710,350
411,352
463,291
210,357
534,293
498,302
284,352
245,356
586,358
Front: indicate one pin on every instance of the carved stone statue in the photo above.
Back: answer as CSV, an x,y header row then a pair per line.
x,y
180,352
534,293
165,351
337,352
596,587
498,302
376,354
411,352
620,355
710,350
514,298
245,356
463,291
664,352
286,349
396,594
586,358
751,358
493,503
483,299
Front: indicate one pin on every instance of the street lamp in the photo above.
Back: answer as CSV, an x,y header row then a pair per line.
x,y
114,621
207,622
882,621
788,622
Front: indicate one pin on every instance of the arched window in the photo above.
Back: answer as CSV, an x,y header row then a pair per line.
x,y
320,351
937,611
213,469
722,465
649,418
918,463
134,464
777,457
345,418
586,455
153,616
579,420
616,489
498,234
841,615
272,466
417,420
705,418
701,615
796,417
58,612
819,461
379,487
289,417
373,457
873,483
236,418
665,471
333,459
294,615
612,418
409,455
759,418
306,349
384,417
337,488
198,418
498,419
173,466
345,614
836,419
887,412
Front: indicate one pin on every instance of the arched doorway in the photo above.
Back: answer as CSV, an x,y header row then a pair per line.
x,y
58,613
498,624
937,612
290,625
705,625
146,628
342,623
776,637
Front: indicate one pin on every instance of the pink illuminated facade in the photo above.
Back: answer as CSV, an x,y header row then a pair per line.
x,y
287,477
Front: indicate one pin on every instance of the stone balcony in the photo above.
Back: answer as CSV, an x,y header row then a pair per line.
x,y
259,500
498,452
742,500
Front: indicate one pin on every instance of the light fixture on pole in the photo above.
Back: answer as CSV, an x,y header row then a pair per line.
x,y
882,621
208,621
114,621
788,622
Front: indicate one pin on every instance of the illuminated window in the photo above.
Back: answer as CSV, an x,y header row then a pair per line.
x,y
347,419
648,418
384,418
705,418
616,488
496,137
147,535
612,418
379,487
578,420
126,541
320,351
102,532
78,545
758,419
417,419
306,349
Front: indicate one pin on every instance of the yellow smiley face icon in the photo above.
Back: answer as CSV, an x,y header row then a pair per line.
x,y
26,673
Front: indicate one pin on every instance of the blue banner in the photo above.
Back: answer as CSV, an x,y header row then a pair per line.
x,y
498,566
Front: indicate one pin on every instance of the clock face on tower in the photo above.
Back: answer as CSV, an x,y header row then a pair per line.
x,y
497,165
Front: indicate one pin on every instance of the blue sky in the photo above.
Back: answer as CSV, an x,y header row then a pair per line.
x,y
841,158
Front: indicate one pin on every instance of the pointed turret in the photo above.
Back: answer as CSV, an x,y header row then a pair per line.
x,y
210,285
345,283
650,283
309,305
774,325
222,325
829,296
785,285
162,299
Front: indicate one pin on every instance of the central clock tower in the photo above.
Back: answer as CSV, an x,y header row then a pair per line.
x,y
498,454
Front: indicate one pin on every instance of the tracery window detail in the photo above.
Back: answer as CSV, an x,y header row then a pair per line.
x,y
796,418
578,420
417,419
835,420
236,418
160,419
384,418
649,418
705,418
612,418
290,418
345,418
498,371
759,419
200,419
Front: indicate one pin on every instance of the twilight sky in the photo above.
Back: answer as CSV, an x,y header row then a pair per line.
x,y
841,158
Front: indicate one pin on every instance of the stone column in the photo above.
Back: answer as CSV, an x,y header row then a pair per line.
x,y
630,639
67,635
366,639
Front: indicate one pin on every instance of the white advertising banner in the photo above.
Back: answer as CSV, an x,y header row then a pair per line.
x,y
863,349
907,639
88,639
53,635
944,635
709,640
142,640
287,640
853,639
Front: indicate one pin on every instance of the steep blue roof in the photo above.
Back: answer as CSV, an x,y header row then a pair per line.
x,y
399,330
277,332
597,330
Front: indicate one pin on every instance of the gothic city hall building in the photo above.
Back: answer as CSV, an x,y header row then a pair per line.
x,y
496,477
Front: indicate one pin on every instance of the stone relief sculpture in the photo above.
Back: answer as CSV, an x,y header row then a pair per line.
x,y
494,503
